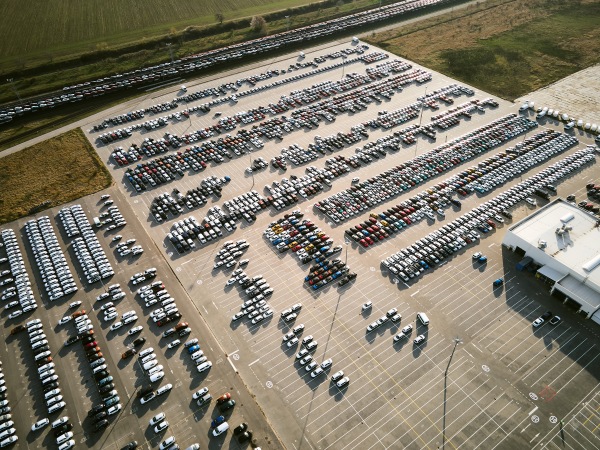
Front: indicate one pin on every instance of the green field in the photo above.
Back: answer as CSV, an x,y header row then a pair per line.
x,y
505,47
56,171
55,28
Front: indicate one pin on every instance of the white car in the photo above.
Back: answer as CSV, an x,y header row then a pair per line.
x,y
9,441
156,377
531,201
15,314
135,330
162,426
112,315
164,389
107,306
64,437
114,409
40,424
157,419
116,326
64,320
201,393
174,343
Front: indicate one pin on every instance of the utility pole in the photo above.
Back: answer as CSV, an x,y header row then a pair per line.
x,y
12,84
456,342
288,22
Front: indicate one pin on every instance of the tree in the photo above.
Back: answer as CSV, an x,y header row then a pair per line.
x,y
258,24
219,16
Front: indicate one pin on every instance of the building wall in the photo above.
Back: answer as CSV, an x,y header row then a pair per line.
x,y
540,257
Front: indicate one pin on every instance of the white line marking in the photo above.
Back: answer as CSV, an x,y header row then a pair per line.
x,y
532,411
255,361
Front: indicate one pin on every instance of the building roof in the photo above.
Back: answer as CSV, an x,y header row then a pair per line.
x,y
577,246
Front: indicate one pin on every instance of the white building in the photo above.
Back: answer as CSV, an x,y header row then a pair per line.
x,y
564,241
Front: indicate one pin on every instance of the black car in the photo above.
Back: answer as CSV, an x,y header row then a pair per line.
x,y
43,348
63,429
139,341
547,315
96,409
101,415
144,391
240,428
131,445
101,425
5,410
71,340
245,436
93,357
87,339
109,387
101,374
227,405
50,386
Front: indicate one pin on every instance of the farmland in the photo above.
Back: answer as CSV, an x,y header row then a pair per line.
x,y
505,48
57,171
59,27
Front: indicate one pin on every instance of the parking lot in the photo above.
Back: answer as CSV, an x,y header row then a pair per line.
x,y
483,377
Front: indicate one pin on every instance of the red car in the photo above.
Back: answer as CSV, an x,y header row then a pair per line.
x,y
91,344
223,398
364,243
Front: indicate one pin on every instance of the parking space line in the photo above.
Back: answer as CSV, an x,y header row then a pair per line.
x,y
524,377
528,348
581,370
499,427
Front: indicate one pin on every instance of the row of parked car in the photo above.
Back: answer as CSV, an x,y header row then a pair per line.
x,y
342,206
301,236
21,293
110,400
50,259
257,290
112,216
47,374
412,261
167,168
89,252
173,204
205,60
7,431
486,175
226,124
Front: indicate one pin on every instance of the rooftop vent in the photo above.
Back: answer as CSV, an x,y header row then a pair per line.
x,y
567,218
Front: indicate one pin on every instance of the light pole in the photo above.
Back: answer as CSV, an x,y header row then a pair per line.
x,y
343,65
12,84
168,44
288,22
456,342
252,173
347,242
420,119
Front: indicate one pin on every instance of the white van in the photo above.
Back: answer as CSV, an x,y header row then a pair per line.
x,y
221,429
423,318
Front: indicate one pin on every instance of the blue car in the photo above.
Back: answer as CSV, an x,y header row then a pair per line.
x,y
482,259
193,349
218,421
498,282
